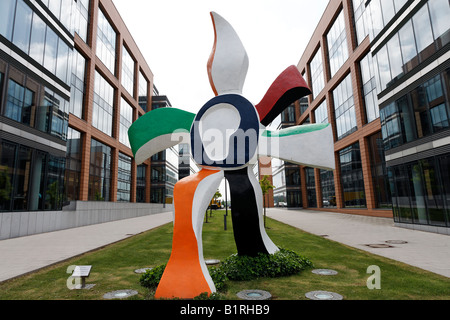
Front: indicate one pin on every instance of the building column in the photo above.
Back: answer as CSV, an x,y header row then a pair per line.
x,y
319,196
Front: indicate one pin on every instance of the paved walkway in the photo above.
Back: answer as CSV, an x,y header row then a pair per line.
x,y
425,250
19,256
428,251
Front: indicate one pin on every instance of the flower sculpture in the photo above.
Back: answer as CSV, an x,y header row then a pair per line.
x,y
226,136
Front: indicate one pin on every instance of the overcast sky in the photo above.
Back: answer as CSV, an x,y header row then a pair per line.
x,y
176,38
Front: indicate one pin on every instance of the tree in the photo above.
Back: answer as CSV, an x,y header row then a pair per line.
x,y
266,185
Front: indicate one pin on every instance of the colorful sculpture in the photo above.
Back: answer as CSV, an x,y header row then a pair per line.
x,y
227,136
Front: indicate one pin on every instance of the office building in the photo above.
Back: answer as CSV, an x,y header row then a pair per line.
x,y
72,81
379,73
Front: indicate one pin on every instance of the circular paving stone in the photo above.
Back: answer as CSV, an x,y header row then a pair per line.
x,y
323,295
119,294
325,272
254,295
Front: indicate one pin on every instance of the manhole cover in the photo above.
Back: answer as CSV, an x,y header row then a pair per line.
x,y
325,272
142,270
323,295
379,245
396,241
119,294
212,262
254,295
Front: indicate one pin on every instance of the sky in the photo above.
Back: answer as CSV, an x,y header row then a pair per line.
x,y
176,39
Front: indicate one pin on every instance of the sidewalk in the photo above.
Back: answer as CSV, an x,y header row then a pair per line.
x,y
425,250
19,256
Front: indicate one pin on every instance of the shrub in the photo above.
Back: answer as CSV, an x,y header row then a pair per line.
x,y
242,268
150,279
283,263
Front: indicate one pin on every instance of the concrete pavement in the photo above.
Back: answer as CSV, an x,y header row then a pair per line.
x,y
23,255
424,250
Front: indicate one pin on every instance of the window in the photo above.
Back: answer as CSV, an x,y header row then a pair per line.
x,y
317,77
7,164
22,26
408,47
106,42
99,172
73,165
424,35
141,182
127,71
51,50
439,12
143,92
7,10
64,62
344,108
77,85
124,179
102,116
328,190
429,107
368,77
418,191
20,103
81,18
37,42
310,187
337,44
352,177
321,113
379,171
126,119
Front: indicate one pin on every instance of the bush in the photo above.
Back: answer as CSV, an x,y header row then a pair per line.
x,y
283,263
242,268
150,279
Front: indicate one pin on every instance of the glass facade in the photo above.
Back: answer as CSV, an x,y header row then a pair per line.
x,y
127,71
126,119
317,75
103,109
419,113
371,17
29,33
124,179
311,188
344,106
106,42
369,82
73,165
337,44
321,113
352,177
409,47
141,182
143,92
32,180
379,172
77,89
420,191
100,172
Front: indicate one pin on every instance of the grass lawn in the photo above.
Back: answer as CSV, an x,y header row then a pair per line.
x,y
113,269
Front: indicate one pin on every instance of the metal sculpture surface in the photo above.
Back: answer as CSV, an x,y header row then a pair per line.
x,y
227,136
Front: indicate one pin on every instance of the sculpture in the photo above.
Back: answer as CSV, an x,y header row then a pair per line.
x,y
227,136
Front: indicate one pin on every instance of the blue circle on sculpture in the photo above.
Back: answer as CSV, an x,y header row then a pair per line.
x,y
225,132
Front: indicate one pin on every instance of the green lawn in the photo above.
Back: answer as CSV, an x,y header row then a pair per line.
x,y
113,269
